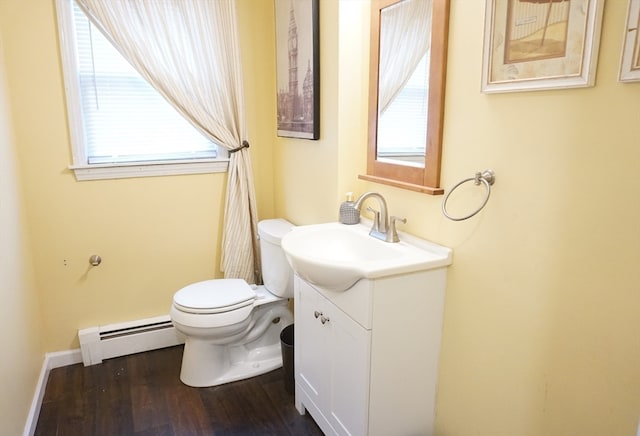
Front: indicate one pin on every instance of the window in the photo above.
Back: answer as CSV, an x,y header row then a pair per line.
x,y
120,126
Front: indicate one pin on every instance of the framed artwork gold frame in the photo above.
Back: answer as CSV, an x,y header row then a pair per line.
x,y
630,60
534,45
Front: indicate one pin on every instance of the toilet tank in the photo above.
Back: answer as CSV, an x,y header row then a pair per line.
x,y
277,275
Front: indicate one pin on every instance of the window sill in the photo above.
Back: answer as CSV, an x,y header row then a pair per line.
x,y
150,169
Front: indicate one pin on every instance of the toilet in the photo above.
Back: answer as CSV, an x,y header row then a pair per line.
x,y
232,328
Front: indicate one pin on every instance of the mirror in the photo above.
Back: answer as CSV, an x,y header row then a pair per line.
x,y
406,93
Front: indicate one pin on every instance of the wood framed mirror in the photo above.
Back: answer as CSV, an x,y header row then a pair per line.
x,y
406,93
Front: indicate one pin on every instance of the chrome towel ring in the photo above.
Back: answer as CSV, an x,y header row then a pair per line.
x,y
487,178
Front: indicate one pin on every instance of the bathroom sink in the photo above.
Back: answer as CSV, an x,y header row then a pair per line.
x,y
335,256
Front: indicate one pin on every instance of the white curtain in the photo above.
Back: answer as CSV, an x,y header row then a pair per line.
x,y
189,51
405,37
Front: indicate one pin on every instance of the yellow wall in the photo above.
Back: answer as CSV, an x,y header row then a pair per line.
x,y
155,234
543,299
305,170
22,348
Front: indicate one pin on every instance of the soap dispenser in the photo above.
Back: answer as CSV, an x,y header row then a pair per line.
x,y
348,213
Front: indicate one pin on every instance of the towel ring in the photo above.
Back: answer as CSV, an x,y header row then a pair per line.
x,y
487,178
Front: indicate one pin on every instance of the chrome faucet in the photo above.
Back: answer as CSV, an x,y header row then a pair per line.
x,y
383,228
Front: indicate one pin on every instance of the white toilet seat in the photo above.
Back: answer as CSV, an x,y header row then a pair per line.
x,y
214,296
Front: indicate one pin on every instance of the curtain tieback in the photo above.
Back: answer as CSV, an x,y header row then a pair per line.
x,y
245,144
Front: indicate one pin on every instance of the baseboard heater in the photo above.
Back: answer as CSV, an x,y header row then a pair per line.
x,y
113,340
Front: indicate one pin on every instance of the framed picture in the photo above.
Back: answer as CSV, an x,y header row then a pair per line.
x,y
540,44
630,64
297,68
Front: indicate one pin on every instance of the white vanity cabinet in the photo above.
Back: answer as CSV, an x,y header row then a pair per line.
x,y
366,359
332,363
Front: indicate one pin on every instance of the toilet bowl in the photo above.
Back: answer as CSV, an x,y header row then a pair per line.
x,y
232,329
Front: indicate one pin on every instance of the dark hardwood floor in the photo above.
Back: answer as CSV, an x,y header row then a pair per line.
x,y
142,394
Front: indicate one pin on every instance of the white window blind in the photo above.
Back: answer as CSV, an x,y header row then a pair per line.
x,y
123,118
402,128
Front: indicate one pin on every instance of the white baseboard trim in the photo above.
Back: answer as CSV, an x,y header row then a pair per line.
x,y
51,360
64,358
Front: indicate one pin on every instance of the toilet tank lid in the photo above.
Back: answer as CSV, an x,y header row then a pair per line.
x,y
217,293
274,230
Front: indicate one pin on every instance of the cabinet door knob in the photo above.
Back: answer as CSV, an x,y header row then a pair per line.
x,y
324,319
316,314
